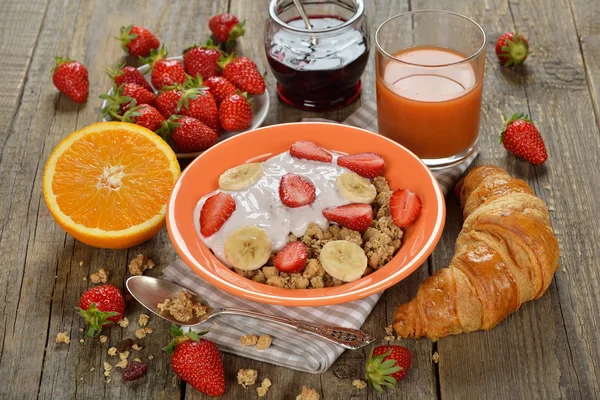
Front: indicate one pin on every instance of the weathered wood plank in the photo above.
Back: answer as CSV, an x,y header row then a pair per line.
x,y
20,24
588,30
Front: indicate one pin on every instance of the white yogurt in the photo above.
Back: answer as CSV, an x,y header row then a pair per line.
x,y
260,204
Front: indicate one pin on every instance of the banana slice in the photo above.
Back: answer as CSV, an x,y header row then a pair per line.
x,y
355,188
240,177
248,248
343,260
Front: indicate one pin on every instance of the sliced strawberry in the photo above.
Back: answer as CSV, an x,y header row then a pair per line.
x,y
368,165
355,216
310,151
405,207
216,210
296,191
292,258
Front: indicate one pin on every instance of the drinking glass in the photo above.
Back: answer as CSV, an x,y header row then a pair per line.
x,y
429,79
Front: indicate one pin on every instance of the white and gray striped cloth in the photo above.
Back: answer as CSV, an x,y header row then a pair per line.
x,y
291,349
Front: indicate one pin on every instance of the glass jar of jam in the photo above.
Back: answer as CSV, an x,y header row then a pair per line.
x,y
318,69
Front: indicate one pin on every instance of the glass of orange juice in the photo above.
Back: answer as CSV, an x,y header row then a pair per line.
x,y
429,67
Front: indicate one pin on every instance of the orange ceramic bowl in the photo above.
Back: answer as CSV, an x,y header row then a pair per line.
x,y
402,169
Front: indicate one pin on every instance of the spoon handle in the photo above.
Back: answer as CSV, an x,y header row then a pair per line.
x,y
347,338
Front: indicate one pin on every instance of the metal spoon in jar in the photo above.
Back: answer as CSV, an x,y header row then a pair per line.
x,y
304,16
151,291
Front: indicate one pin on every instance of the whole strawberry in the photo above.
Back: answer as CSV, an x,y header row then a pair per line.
x,y
235,113
119,101
127,74
387,365
143,115
243,73
188,134
71,78
164,72
138,41
101,306
512,49
220,88
520,137
198,362
202,60
226,27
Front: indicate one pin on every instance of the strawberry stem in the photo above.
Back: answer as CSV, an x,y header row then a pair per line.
x,y
95,319
155,56
126,37
180,336
115,100
378,372
513,118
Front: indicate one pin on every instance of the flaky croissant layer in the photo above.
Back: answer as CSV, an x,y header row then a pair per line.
x,y
506,254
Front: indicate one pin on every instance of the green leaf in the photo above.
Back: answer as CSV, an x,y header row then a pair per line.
x,y
176,331
193,335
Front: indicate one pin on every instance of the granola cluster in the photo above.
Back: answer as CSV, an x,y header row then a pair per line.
x,y
182,308
380,243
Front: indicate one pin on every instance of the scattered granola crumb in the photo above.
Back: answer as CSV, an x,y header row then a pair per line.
x,y
100,277
436,357
121,364
124,355
247,377
389,333
81,341
80,263
112,351
143,319
142,332
264,387
182,308
141,263
91,369
137,359
136,347
63,337
359,384
547,186
215,323
103,338
107,369
85,278
81,378
264,342
249,340
308,394
80,329
150,357
124,323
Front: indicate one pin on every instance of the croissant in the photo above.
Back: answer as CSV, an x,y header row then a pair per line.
x,y
506,254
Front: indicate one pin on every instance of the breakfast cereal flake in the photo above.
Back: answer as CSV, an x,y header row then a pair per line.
x,y
136,347
308,394
103,338
122,364
63,337
436,357
264,387
141,263
124,355
100,277
142,332
143,319
124,322
112,351
264,342
249,340
247,377
359,384
182,308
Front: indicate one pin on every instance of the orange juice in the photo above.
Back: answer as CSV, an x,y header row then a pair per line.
x,y
429,101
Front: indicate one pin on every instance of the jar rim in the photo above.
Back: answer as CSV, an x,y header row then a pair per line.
x,y
360,9
432,11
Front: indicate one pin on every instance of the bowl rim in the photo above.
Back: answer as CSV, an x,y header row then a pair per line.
x,y
409,267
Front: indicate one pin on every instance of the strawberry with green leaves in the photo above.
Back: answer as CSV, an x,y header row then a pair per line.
x,y
520,137
202,60
143,115
387,365
101,306
122,96
128,74
512,49
71,78
243,73
226,27
197,361
138,41
165,72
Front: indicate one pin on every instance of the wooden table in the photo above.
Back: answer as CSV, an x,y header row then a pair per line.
x,y
549,349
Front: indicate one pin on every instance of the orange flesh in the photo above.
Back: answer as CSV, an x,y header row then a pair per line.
x,y
112,180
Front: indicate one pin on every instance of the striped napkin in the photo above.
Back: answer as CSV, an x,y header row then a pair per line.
x,y
289,348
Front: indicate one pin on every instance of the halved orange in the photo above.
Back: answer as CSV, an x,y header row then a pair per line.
x,y
108,184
